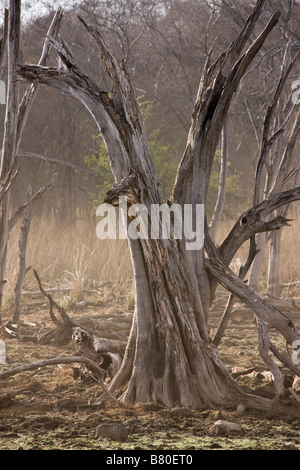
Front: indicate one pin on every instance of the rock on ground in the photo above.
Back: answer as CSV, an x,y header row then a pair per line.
x,y
113,431
225,428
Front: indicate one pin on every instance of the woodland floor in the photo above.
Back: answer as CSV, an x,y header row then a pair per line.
x,y
52,411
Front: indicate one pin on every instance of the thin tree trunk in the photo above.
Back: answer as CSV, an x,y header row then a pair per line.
x,y
256,270
273,286
218,211
232,298
22,260
4,209
7,162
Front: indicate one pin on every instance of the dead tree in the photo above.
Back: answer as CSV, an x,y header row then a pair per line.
x,y
274,168
15,119
169,357
8,163
275,156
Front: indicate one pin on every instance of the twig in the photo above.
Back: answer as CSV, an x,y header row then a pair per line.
x,y
243,372
61,360
10,177
22,256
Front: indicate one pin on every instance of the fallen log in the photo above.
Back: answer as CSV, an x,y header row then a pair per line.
x,y
61,360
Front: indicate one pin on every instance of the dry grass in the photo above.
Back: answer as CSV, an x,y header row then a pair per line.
x,y
69,256
74,255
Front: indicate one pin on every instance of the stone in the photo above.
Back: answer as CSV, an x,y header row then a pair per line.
x,y
113,431
240,409
225,428
5,400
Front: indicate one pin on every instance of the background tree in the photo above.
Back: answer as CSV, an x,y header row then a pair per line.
x,y
16,114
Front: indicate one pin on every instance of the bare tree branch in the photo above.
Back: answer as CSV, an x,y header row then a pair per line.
x,y
65,317
31,91
215,93
254,221
21,209
57,162
266,140
6,184
61,360
262,308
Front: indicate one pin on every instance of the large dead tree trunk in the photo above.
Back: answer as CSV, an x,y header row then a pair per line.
x,y
170,358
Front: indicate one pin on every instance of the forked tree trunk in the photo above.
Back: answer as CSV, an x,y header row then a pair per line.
x,y
170,358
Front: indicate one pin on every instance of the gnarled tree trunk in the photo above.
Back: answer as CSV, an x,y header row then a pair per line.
x,y
170,358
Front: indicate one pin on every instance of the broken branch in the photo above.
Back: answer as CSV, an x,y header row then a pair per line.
x,y
61,360
253,221
66,319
